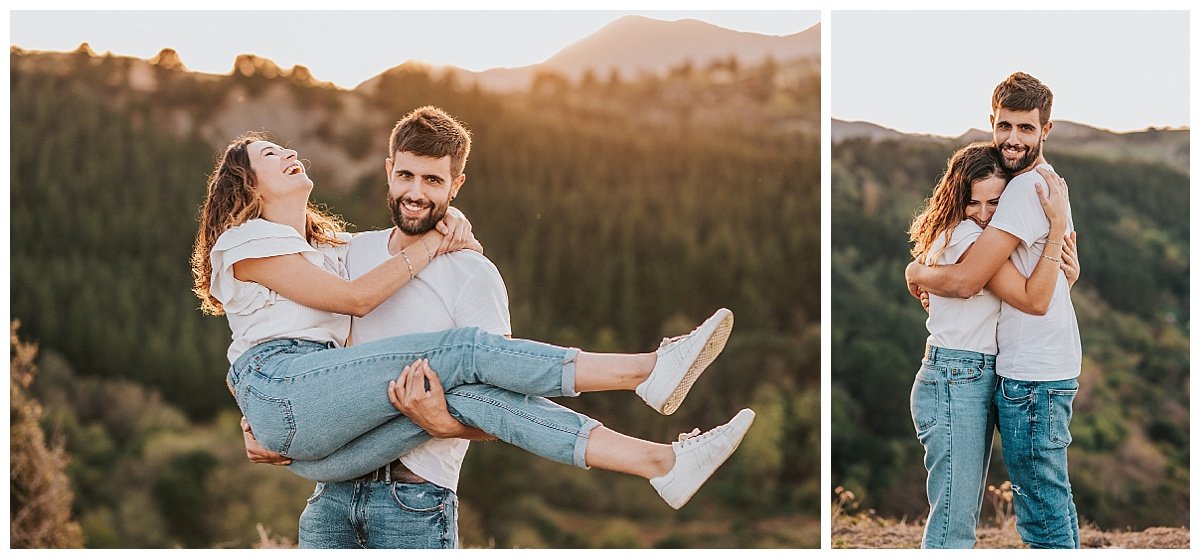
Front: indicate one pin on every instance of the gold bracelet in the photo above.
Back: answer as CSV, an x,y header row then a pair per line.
x,y
1059,260
1049,242
411,273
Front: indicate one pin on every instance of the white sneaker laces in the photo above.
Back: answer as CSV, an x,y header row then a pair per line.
x,y
668,341
694,434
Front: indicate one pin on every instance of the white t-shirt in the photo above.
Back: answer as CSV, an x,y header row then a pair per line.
x,y
455,290
1034,348
257,314
968,324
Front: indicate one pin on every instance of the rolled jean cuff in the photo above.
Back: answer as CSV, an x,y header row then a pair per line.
x,y
568,371
582,439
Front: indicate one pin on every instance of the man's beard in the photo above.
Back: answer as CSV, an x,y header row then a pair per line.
x,y
1024,162
415,226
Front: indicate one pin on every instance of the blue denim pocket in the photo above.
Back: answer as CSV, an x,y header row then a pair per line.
x,y
317,492
272,419
1061,403
419,497
1016,391
925,399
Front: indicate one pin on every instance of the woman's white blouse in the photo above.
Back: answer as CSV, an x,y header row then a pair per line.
x,y
968,324
257,314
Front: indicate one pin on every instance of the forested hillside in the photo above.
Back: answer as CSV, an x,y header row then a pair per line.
x,y
618,211
1129,459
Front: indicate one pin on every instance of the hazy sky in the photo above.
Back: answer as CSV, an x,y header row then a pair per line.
x,y
934,72
348,47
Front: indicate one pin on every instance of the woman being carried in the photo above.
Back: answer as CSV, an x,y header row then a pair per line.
x,y
951,399
274,265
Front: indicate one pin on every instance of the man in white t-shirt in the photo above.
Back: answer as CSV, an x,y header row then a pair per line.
x,y
1039,356
411,502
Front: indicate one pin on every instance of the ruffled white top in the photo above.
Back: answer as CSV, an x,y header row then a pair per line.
x,y
257,314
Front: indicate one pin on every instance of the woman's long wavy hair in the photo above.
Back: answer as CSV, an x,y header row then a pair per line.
x,y
233,199
947,206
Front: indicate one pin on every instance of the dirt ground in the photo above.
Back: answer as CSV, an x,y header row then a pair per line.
x,y
869,532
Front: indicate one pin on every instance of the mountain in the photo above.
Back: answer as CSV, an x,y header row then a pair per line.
x,y
844,130
636,44
1169,146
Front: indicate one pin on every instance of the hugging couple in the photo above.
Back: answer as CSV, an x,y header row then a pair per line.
x,y
995,262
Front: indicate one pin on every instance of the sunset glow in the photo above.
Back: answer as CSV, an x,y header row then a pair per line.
x,y
367,42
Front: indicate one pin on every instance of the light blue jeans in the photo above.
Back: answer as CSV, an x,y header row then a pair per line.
x,y
1035,420
327,408
951,404
380,515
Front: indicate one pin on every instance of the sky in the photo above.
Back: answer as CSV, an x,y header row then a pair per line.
x,y
934,72
349,47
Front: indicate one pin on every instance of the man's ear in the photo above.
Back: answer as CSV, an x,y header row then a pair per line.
x,y
456,185
992,121
1046,129
387,168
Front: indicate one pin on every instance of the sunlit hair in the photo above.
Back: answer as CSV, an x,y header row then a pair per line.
x,y
233,199
429,132
1023,92
947,207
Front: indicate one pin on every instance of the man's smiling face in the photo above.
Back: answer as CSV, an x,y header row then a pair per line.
x,y
420,190
1019,136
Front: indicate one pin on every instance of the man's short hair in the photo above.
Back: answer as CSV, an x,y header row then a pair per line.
x,y
1023,92
429,132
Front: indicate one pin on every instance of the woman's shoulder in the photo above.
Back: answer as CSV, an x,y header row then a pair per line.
x,y
965,231
338,251
254,229
948,246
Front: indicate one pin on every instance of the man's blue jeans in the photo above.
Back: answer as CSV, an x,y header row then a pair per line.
x,y
951,405
327,408
380,515
1034,420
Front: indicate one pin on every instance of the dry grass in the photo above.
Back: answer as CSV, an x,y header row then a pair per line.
x,y
865,530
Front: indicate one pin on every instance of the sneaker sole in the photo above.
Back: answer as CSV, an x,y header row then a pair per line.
x,y
747,416
712,348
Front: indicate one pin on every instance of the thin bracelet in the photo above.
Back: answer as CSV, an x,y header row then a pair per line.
x,y
411,273
1049,242
1059,260
428,252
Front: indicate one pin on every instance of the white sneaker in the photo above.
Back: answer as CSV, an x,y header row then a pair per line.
x,y
698,456
681,360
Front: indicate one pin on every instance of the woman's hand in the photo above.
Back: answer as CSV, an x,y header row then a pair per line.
x,y
257,453
913,289
457,233
1054,198
1070,259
